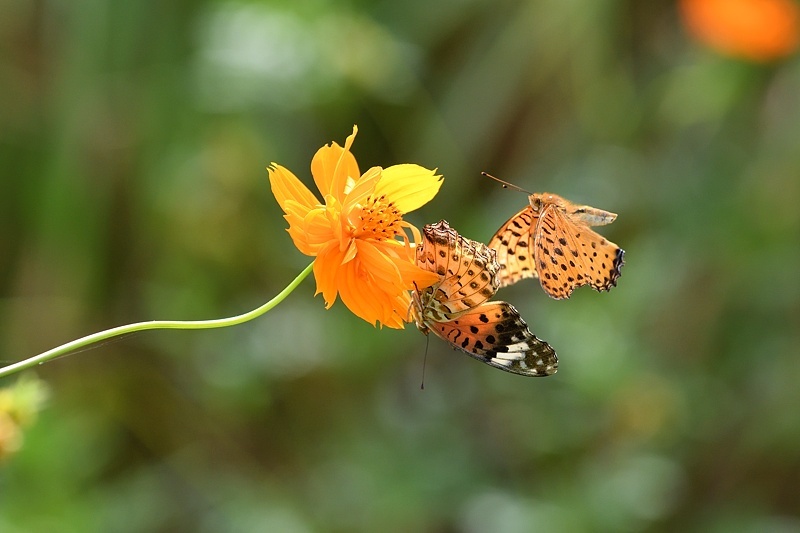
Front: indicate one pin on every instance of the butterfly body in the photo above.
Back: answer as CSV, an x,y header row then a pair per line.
x,y
551,239
457,308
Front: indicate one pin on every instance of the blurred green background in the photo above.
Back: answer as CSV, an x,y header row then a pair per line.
x,y
134,138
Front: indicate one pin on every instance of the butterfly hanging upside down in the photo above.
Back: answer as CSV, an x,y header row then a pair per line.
x,y
456,308
550,239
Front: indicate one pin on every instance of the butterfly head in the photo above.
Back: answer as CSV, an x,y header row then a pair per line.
x,y
415,310
540,200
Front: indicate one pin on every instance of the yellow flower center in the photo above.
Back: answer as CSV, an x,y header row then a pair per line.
x,y
379,220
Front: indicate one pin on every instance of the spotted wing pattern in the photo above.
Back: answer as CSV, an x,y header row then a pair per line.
x,y
514,245
456,308
569,256
551,239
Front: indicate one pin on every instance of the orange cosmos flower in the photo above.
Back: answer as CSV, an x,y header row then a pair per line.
x,y
759,30
357,232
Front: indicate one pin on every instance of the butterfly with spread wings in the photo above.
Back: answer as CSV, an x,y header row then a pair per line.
x,y
456,308
551,240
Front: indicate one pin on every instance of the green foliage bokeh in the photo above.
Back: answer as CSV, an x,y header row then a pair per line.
x,y
134,138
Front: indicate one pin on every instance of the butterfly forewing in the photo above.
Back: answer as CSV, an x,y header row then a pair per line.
x,y
456,307
514,245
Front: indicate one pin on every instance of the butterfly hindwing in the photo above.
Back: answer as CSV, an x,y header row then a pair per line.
x,y
496,334
569,256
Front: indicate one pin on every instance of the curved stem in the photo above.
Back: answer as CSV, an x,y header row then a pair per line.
x,y
155,324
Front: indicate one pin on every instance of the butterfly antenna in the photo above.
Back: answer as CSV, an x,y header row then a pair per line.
x,y
507,185
424,361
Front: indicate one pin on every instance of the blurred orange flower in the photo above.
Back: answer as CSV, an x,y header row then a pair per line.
x,y
758,30
358,235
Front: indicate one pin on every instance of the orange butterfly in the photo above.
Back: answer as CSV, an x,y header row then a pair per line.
x,y
550,239
456,308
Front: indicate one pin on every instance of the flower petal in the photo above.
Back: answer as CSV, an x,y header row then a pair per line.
x,y
403,258
408,186
362,188
367,299
317,229
380,265
326,270
332,165
350,251
400,311
285,186
359,294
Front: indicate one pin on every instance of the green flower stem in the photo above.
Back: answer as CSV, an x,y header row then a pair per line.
x,y
155,324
